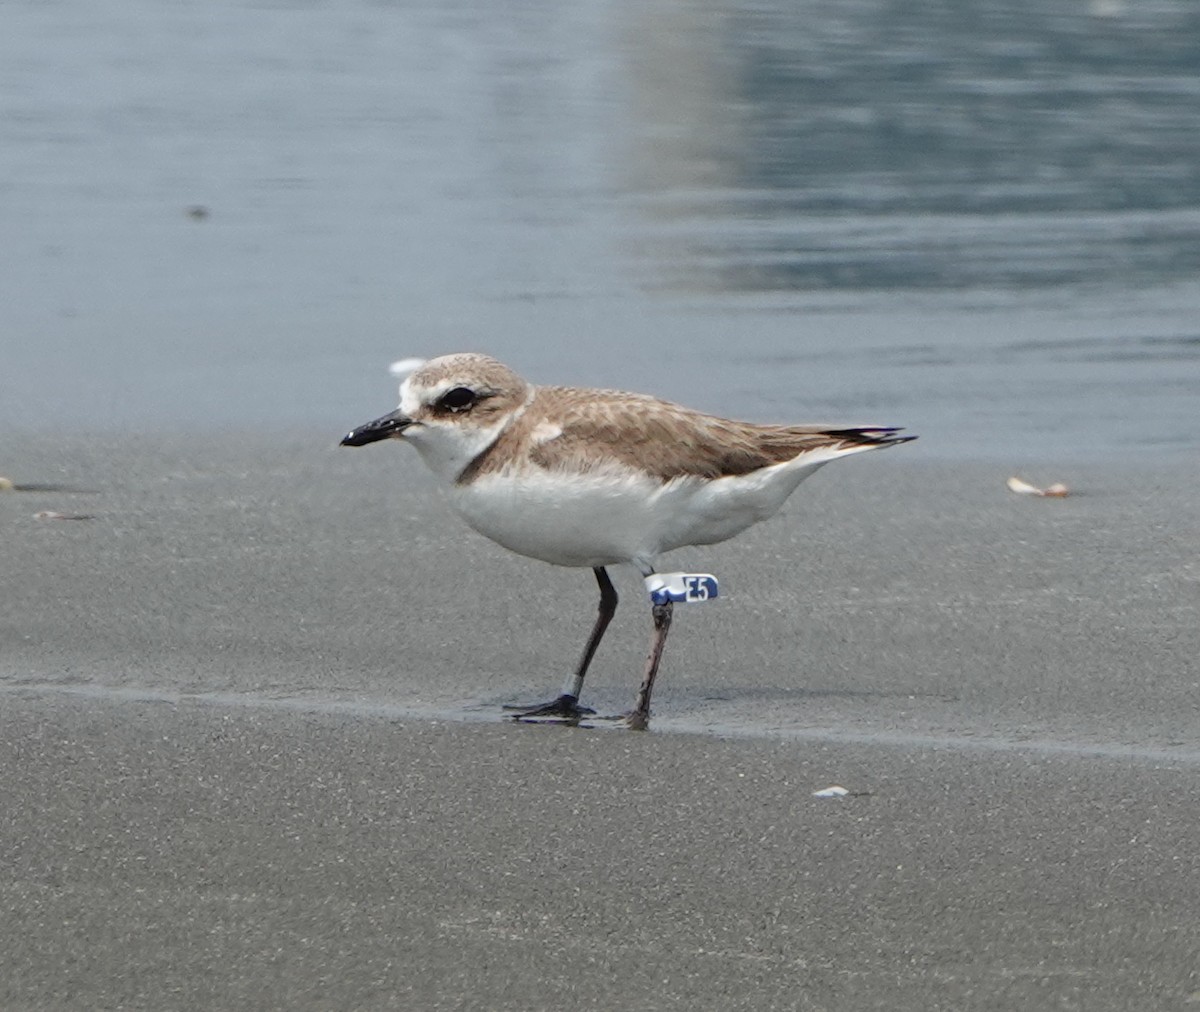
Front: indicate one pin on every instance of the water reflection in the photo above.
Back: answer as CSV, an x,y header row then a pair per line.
x,y
874,145
638,194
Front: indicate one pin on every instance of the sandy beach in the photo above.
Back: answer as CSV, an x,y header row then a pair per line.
x,y
252,748
252,753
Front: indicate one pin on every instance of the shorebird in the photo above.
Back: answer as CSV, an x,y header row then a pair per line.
x,y
594,478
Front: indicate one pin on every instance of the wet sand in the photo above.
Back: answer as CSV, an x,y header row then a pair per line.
x,y
251,756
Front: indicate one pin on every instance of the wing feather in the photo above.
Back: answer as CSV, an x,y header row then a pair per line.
x,y
600,429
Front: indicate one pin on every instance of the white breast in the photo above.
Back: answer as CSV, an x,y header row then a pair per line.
x,y
609,517
567,520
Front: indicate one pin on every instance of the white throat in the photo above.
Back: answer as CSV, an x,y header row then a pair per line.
x,y
447,448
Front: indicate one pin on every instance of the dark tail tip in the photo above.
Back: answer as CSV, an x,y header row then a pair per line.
x,y
871,436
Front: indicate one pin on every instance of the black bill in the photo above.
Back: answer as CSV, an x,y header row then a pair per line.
x,y
389,425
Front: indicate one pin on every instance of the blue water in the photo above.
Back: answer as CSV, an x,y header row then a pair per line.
x,y
976,218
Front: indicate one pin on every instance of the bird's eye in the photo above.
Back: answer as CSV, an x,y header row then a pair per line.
x,y
458,399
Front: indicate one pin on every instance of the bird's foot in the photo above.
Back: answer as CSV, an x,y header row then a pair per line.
x,y
565,709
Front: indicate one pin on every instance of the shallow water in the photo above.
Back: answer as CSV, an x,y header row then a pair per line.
x,y
980,220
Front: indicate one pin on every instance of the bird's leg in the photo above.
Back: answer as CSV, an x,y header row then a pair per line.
x,y
639,719
567,704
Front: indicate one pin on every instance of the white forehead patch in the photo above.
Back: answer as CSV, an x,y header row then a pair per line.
x,y
410,403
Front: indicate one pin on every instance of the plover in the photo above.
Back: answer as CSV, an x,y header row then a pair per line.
x,y
593,478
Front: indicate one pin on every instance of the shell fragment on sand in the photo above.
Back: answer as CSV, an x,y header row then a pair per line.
x,y
1055,491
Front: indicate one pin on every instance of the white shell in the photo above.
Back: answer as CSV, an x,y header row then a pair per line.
x,y
1056,491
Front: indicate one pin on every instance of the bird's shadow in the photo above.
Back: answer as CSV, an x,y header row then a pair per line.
x,y
773,699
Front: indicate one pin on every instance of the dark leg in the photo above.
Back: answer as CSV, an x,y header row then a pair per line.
x,y
567,704
639,719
